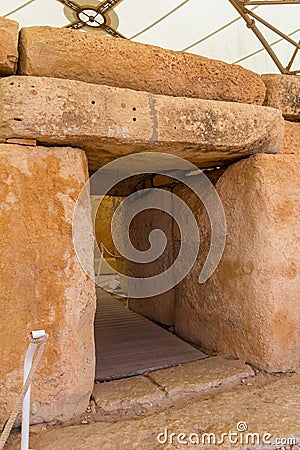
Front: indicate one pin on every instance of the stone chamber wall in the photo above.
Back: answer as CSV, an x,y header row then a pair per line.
x,y
59,118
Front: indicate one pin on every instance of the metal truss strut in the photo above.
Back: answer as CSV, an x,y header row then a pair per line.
x,y
251,18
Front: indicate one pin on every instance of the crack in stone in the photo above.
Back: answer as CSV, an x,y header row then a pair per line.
x,y
155,383
153,113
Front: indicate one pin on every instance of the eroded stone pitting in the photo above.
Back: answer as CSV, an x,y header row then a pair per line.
x,y
263,404
62,112
9,36
127,64
36,237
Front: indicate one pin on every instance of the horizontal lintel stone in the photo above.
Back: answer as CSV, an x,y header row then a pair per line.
x,y
110,122
90,57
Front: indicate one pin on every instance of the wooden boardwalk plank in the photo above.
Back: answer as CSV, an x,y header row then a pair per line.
x,y
128,344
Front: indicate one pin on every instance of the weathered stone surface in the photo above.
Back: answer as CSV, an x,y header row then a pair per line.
x,y
102,214
250,306
272,408
103,217
162,388
42,285
159,308
9,36
283,92
110,122
291,141
200,376
70,54
126,394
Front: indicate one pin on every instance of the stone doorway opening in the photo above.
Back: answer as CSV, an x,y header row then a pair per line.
x,y
133,336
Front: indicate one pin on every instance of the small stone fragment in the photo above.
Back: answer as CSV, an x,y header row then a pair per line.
x,y
283,92
291,141
9,36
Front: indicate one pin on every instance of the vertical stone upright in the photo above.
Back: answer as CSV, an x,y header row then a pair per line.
x,y
43,285
250,306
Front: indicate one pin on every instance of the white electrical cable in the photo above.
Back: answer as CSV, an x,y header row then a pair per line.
x,y
37,339
26,402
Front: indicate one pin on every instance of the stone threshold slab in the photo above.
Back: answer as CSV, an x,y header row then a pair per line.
x,y
110,122
163,387
271,410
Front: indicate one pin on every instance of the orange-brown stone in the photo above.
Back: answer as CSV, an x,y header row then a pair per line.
x,y
159,307
250,306
68,112
291,141
9,36
42,284
283,92
90,57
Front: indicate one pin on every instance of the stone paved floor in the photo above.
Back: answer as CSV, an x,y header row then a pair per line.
x,y
197,402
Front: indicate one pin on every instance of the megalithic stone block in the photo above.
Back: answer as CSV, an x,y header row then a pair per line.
x,y
250,306
9,36
110,122
71,54
283,92
42,284
291,141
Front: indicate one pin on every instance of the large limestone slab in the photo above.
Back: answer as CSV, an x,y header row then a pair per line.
x,y
283,92
250,306
127,394
269,414
291,141
110,122
42,285
162,388
9,36
70,54
200,376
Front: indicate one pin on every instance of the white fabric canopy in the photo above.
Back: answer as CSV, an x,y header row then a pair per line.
x,y
211,28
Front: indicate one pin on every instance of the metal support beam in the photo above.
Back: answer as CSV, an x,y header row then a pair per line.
x,y
92,17
250,18
271,2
